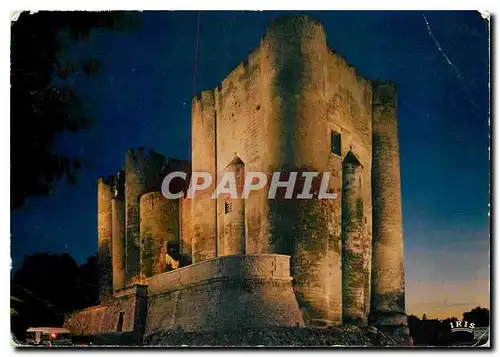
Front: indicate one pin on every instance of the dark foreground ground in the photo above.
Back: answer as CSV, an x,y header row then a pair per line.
x,y
337,336
281,337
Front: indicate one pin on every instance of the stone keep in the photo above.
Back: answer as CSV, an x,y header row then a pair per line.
x,y
293,105
281,110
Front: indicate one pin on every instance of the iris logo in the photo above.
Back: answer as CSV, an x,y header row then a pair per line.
x,y
462,326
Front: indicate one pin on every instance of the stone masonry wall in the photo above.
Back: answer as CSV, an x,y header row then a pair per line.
x,y
159,225
203,240
226,292
135,186
105,191
387,300
104,318
349,102
231,215
118,250
240,132
185,227
353,311
276,111
334,241
118,231
143,173
294,56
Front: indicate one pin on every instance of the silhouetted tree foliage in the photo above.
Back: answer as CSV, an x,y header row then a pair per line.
x,y
31,311
432,332
47,286
479,315
43,103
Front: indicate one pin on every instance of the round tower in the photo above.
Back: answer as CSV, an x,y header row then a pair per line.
x,y
203,159
135,186
105,191
353,311
118,232
118,223
293,75
293,80
387,298
159,227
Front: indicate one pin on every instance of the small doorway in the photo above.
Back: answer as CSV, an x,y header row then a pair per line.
x,y
119,326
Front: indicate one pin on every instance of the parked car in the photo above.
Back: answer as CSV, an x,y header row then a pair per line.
x,y
48,336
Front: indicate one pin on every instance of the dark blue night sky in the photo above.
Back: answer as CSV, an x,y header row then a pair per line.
x,y
142,98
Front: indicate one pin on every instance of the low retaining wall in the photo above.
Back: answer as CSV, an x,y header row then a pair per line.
x,y
130,302
247,291
224,292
